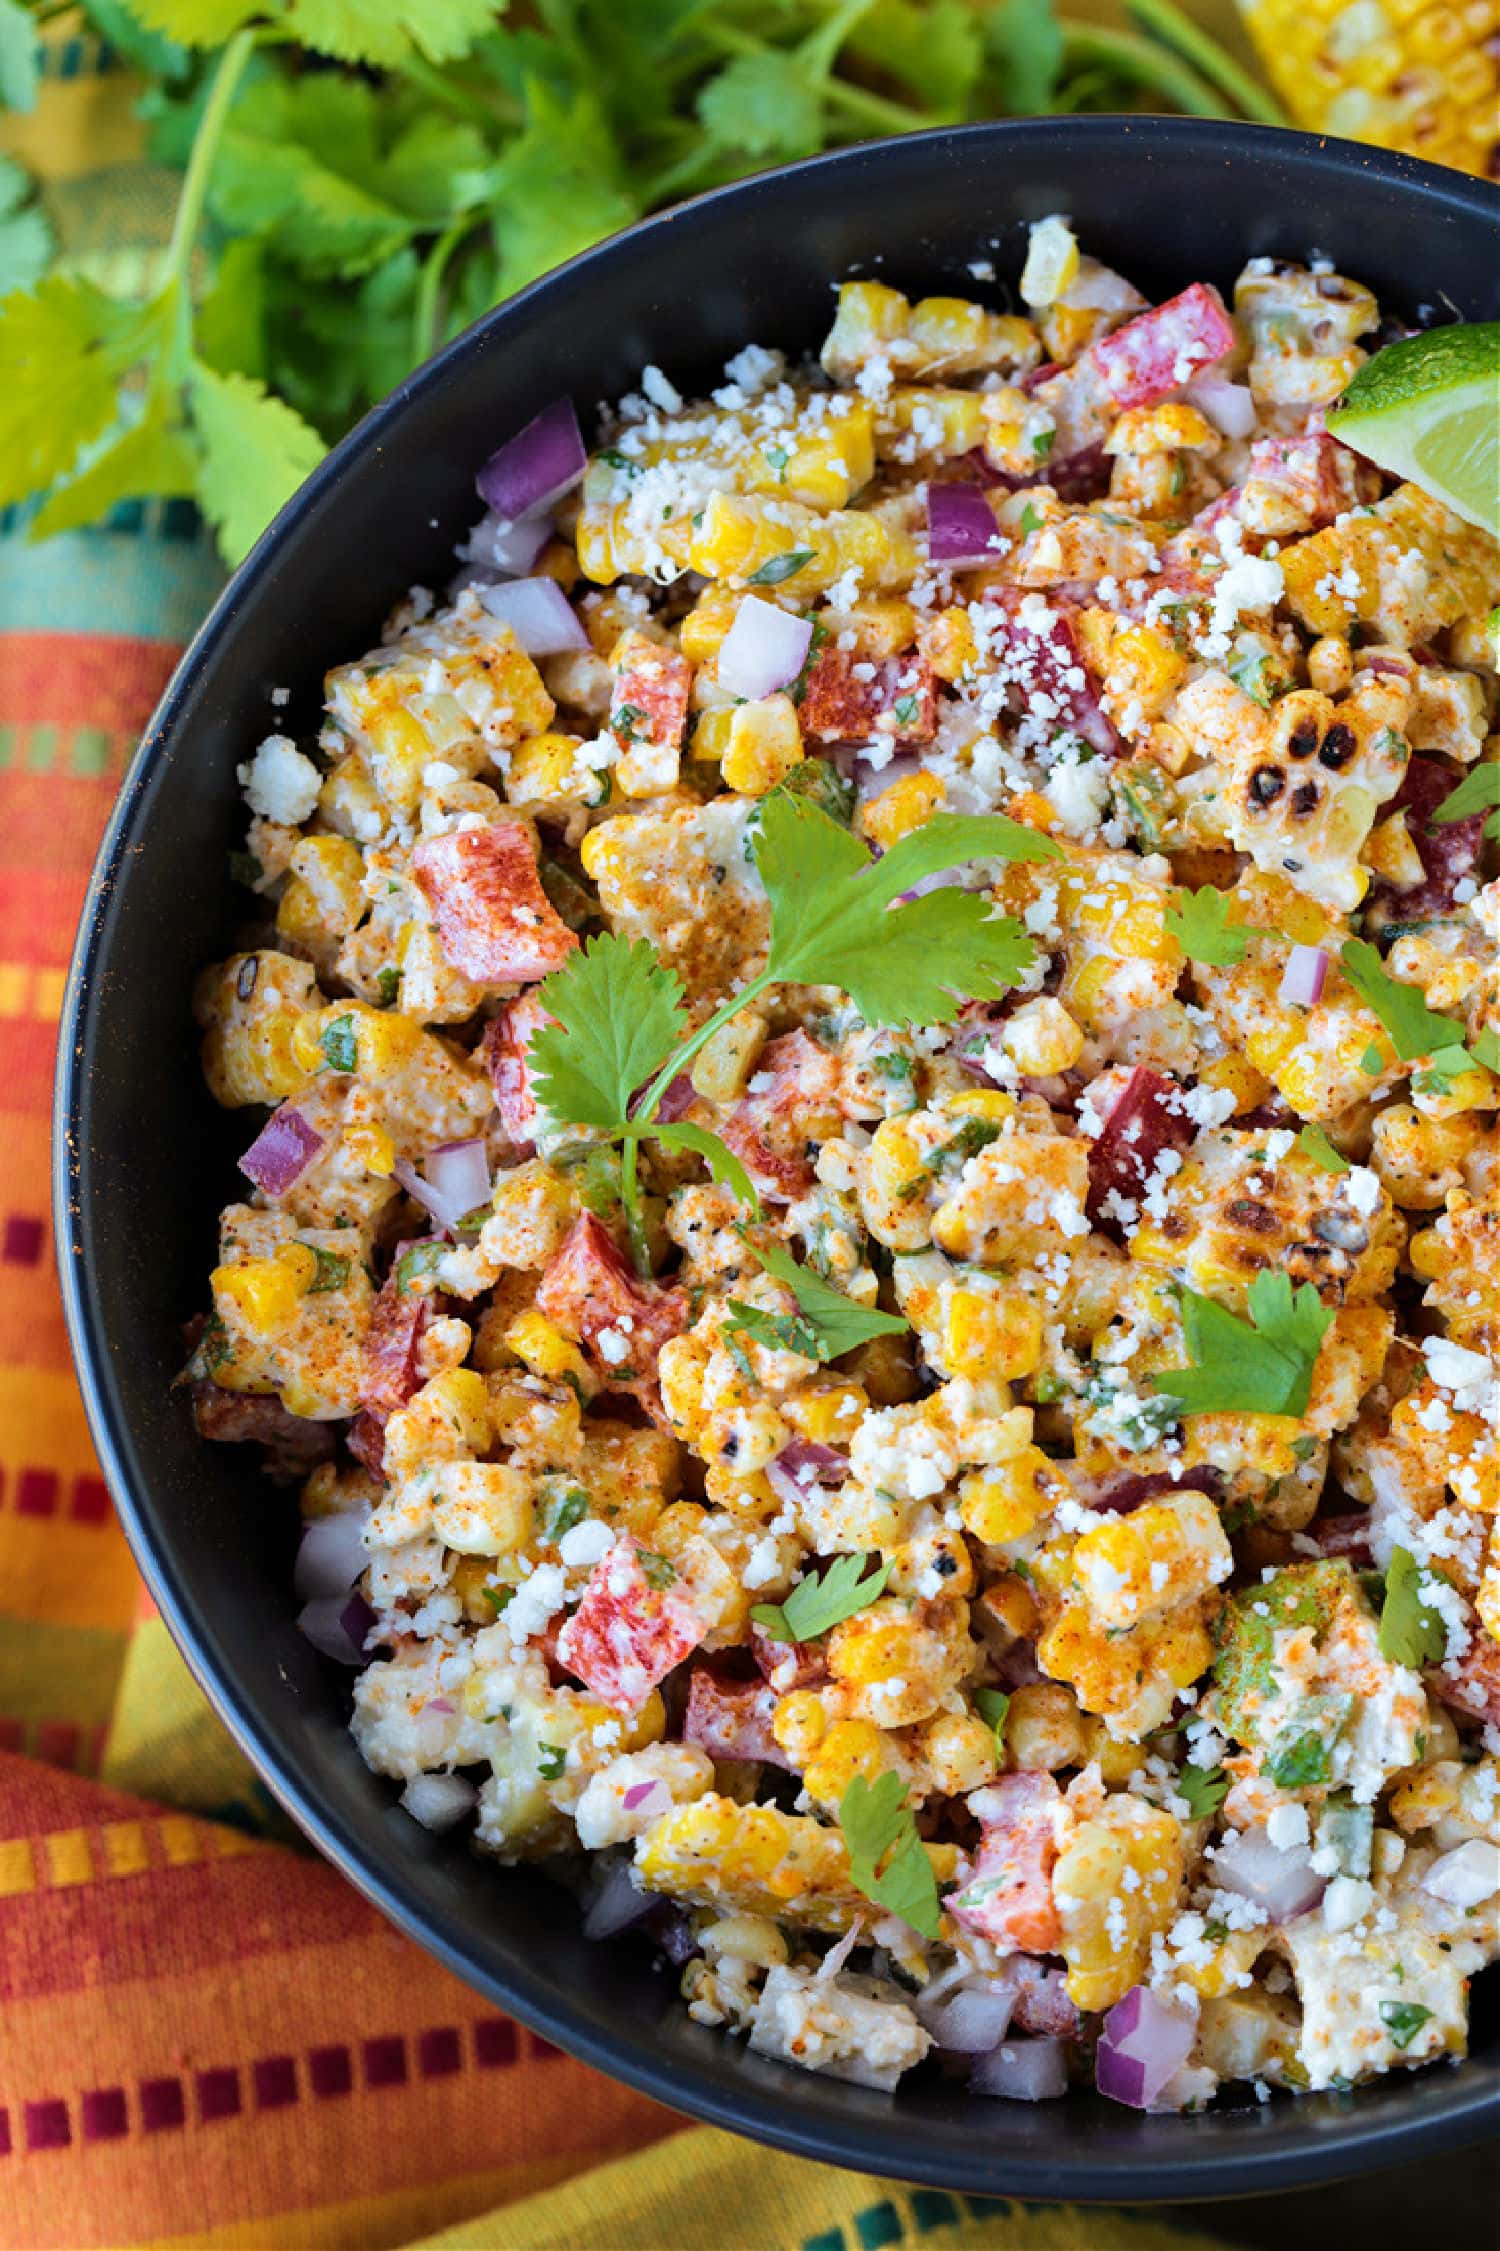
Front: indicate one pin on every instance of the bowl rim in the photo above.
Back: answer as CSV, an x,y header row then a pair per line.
x,y
1341,2147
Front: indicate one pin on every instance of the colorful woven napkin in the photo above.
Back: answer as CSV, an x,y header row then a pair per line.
x,y
206,2038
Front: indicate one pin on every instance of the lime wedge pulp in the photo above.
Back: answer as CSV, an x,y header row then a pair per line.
x,y
1428,409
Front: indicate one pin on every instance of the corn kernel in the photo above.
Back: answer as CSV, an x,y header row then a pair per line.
x,y
765,743
723,1066
850,1748
908,804
547,1352
1008,1501
799,1724
1042,1039
1043,1728
702,632
829,1416
993,1333
984,1102
262,1296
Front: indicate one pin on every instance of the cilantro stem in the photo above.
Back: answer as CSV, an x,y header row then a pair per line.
x,y
425,312
227,76
437,83
1144,64
1164,21
837,93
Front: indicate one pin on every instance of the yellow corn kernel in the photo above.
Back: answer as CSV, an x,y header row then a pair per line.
x,y
1107,1922
906,805
1051,261
896,1666
928,422
1227,1966
946,640
298,916
400,748
829,1416
382,1038
1043,1728
547,1352
709,740
993,1333
557,560
984,1102
461,1398
545,770
738,534
1118,1763
959,1752
1007,1610
1165,1553
765,743
702,632
261,1296
869,315
1008,1501
1232,1072
482,1508
884,626
333,870
850,1747
722,1068
1041,1038
1145,669
755,1857
1426,1796
799,1724
372,1147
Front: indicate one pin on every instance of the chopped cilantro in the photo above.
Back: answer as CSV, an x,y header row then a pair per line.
x,y
779,568
389,984
1403,2020
1314,1143
657,1572
569,1509
1298,1760
816,1605
1205,1789
340,1044
1043,442
1412,1632
551,1761
878,1827
992,1705
332,1271
1260,1367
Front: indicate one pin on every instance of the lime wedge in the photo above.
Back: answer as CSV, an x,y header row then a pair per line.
x,y
1428,409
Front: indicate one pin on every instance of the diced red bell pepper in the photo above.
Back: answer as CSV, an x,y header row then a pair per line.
x,y
392,1341
1160,350
731,1719
1044,660
649,701
628,1632
771,1129
1008,1899
503,1052
495,922
590,1293
1448,852
1145,1116
365,1440
1313,474
788,1664
849,698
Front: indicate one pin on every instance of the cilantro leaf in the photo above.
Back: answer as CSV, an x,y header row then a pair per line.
x,y
25,236
1260,1367
992,1705
1199,921
551,1761
763,104
878,1824
1403,2020
936,49
558,185
778,1332
618,1016
1297,1761
385,31
720,1159
149,458
198,23
835,1322
64,347
1314,1143
20,57
1413,1028
1476,793
815,1606
1412,1633
1026,43
256,451
1248,672
1205,1789
834,923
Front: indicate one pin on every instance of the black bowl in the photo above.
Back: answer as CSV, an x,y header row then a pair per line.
x,y
144,1160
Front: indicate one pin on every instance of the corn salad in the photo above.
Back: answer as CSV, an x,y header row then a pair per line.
x,y
973,1526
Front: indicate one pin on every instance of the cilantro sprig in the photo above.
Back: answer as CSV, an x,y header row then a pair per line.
x,y
360,179
887,1859
621,1033
1199,921
1412,1631
1262,1366
1413,1029
1314,1143
1204,1787
826,1323
816,1605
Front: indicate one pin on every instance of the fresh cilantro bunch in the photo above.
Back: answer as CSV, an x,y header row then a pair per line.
x,y
360,179
621,1036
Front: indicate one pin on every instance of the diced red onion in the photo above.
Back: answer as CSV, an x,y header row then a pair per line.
x,y
764,649
1228,406
331,1557
498,544
970,2022
652,1796
537,466
618,1904
539,614
834,1960
677,1100
802,1466
1467,1876
281,1152
1283,1884
1023,2071
1142,2044
455,1180
438,1801
1304,977
443,1704
337,1626
673,1932
961,527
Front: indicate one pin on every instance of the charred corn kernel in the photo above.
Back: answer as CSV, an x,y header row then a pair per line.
x,y
1128,1678
850,1747
251,1006
958,1750
988,1102
755,1857
1051,261
547,1352
1007,1610
993,1333
333,869
1108,1920
1132,1566
1008,1501
946,640
260,1297
908,804
765,743
482,1508
1041,1038
1043,1728
738,536
799,1724
830,1416
1365,548
896,1664
372,1147
1411,74
545,770
702,632
722,1068
1232,1074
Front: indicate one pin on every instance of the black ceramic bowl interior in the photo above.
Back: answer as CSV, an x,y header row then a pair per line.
x,y
145,1160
